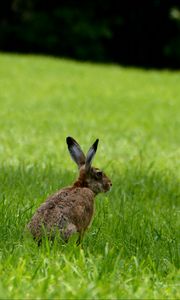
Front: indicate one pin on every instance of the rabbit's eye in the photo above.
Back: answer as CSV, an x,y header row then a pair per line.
x,y
99,174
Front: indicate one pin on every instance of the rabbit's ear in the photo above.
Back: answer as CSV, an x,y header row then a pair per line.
x,y
90,154
75,151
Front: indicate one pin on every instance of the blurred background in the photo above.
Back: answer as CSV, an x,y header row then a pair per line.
x,y
136,33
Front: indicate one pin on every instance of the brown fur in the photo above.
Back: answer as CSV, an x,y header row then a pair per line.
x,y
70,209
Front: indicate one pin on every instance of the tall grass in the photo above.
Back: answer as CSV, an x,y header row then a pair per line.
x,y
132,248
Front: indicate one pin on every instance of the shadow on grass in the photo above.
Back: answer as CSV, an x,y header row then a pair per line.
x,y
137,218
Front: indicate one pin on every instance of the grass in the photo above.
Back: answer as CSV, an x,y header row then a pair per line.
x,y
132,249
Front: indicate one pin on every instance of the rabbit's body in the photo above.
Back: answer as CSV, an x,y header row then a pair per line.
x,y
71,209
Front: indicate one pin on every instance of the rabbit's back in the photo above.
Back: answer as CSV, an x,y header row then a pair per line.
x,y
69,207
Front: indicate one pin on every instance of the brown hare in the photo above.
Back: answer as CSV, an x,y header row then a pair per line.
x,y
71,209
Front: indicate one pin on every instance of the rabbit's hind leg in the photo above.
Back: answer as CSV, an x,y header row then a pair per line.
x,y
70,230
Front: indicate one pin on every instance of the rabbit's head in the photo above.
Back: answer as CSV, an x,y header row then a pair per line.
x,y
89,176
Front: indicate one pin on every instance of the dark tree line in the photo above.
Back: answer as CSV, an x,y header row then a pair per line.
x,y
143,33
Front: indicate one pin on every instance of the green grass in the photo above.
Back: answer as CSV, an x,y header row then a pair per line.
x,y
132,249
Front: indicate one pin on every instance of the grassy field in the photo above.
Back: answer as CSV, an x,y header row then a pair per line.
x,y
132,249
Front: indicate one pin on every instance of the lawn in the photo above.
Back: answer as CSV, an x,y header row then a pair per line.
x,y
132,249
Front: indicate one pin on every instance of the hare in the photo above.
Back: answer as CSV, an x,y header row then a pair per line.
x,y
71,209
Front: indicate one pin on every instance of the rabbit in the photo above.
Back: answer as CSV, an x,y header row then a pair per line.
x,y
70,210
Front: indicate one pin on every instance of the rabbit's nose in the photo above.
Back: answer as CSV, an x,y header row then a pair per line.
x,y
110,185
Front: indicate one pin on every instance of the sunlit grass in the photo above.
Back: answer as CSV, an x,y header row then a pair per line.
x,y
132,248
